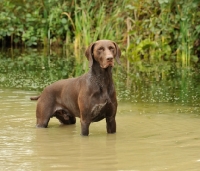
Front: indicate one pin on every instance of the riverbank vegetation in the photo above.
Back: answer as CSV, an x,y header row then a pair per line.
x,y
145,29
159,39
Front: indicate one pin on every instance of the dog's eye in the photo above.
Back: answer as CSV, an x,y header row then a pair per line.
x,y
101,48
111,48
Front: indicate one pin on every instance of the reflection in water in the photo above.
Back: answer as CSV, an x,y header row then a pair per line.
x,y
150,136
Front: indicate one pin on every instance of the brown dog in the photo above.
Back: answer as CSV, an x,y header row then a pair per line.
x,y
91,97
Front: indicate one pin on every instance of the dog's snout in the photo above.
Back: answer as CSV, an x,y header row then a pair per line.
x,y
109,58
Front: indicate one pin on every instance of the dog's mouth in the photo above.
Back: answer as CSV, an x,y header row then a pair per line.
x,y
107,64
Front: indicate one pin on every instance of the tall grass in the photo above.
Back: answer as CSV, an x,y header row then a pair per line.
x,y
187,36
166,32
93,22
145,29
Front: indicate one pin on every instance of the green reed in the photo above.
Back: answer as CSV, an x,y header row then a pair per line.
x,y
186,36
144,29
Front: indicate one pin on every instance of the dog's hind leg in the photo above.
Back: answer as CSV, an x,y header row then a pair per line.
x,y
43,114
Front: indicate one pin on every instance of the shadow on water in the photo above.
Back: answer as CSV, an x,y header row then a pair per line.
x,y
157,120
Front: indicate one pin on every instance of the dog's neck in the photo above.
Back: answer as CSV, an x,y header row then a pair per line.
x,y
101,76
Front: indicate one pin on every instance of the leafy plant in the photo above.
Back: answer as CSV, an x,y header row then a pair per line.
x,y
170,27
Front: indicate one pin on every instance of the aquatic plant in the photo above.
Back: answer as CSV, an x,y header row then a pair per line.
x,y
34,70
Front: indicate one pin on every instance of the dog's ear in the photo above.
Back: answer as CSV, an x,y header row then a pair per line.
x,y
89,54
118,53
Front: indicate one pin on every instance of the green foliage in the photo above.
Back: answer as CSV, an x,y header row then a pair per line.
x,y
147,82
34,70
159,40
93,21
169,28
34,22
161,83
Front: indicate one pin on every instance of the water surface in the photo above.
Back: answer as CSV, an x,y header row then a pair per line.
x,y
150,137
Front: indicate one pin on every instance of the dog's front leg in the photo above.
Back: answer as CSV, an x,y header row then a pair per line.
x,y
85,127
110,125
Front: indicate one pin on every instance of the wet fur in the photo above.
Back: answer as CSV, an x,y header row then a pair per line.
x,y
91,97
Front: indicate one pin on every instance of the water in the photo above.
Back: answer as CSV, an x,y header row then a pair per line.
x,y
150,137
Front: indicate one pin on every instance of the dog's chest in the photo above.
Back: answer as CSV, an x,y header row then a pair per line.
x,y
98,111
102,99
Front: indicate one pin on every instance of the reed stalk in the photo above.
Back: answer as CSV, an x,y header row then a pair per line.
x,y
187,36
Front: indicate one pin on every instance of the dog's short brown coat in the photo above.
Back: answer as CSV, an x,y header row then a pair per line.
x,y
91,97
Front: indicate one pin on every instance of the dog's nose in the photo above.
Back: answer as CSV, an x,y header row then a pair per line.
x,y
109,58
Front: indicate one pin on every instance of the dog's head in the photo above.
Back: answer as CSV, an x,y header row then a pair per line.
x,y
104,52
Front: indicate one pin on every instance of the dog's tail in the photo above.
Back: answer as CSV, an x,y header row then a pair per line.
x,y
35,98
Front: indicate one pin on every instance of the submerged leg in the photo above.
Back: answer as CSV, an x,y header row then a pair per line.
x,y
111,125
85,128
42,123
43,115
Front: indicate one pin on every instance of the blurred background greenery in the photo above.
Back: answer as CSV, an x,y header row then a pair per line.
x,y
43,41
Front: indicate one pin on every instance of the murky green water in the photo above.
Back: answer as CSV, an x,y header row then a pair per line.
x,y
150,137
158,118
